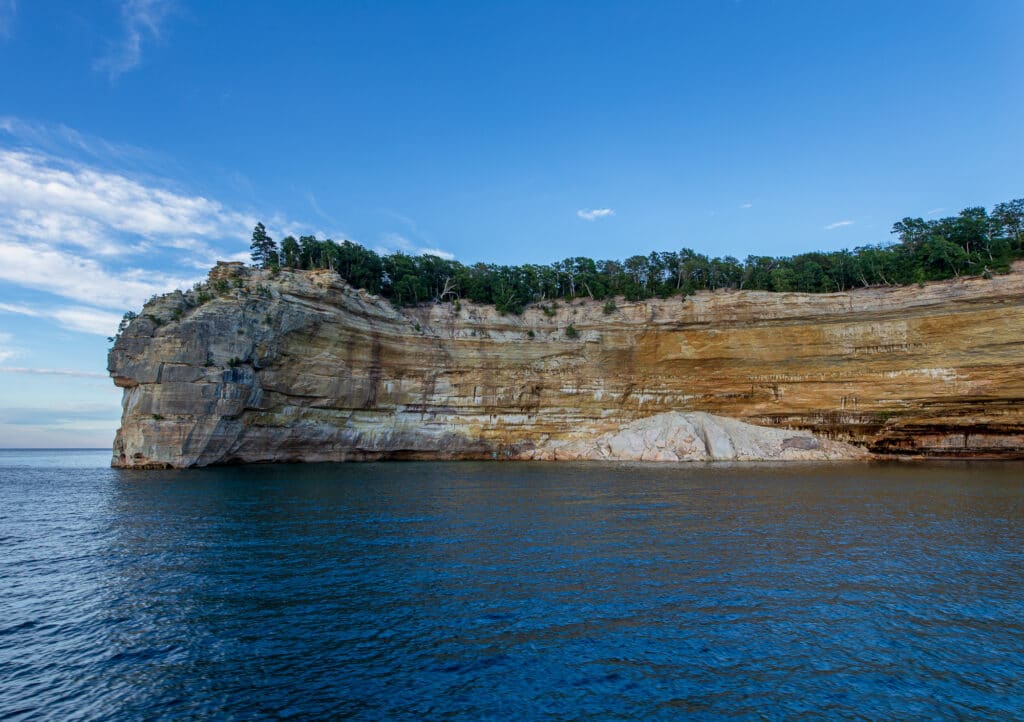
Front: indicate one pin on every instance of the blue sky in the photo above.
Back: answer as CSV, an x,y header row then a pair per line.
x,y
140,140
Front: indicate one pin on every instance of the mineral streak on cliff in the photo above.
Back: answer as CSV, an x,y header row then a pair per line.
x,y
303,367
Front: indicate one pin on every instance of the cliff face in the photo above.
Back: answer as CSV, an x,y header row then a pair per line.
x,y
303,367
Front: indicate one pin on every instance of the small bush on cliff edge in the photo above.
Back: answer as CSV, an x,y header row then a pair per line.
x,y
126,321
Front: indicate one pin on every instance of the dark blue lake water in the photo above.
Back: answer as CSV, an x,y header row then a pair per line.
x,y
510,591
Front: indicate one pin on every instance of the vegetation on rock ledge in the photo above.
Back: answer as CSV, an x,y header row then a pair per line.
x,y
975,242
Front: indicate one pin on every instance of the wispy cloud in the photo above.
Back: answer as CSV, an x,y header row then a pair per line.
x,y
318,210
47,187
8,11
88,320
19,309
74,230
39,416
52,372
421,243
201,255
405,220
75,318
51,203
746,206
141,20
838,224
59,139
594,214
50,225
6,351
935,211
392,242
105,239
45,268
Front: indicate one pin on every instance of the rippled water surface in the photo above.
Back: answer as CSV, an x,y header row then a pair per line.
x,y
515,591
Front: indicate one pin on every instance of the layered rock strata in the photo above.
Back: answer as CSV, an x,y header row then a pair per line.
x,y
301,367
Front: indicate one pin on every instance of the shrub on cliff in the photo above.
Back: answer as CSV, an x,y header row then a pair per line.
x,y
126,321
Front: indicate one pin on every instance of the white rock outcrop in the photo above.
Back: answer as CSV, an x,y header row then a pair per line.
x,y
697,436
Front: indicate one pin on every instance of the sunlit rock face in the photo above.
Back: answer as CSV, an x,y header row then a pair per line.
x,y
301,367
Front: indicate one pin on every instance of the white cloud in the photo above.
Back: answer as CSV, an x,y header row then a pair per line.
x,y
91,235
53,372
838,224
51,191
746,205
48,204
8,9
593,215
935,211
437,252
59,227
140,19
42,267
88,320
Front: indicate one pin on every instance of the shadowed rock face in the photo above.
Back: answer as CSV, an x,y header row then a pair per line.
x,y
303,368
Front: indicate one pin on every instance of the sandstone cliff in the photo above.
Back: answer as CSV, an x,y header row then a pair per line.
x,y
302,367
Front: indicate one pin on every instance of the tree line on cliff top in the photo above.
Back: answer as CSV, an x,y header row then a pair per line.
x,y
973,243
